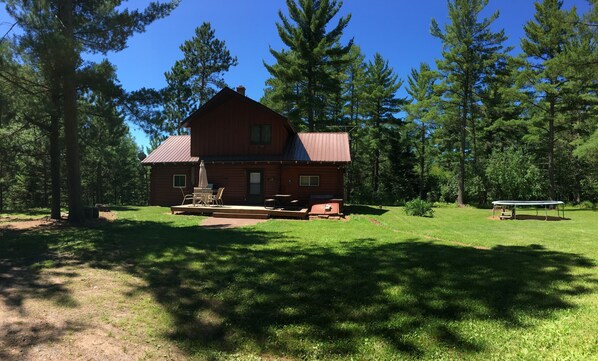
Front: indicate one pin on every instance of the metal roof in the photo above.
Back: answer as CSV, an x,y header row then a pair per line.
x,y
175,149
319,147
303,147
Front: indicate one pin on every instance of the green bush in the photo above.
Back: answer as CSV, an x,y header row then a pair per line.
x,y
419,207
512,174
587,205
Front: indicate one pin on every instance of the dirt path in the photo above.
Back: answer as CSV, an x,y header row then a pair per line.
x,y
16,224
77,313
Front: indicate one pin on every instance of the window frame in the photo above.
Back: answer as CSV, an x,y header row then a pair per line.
x,y
309,178
261,128
174,177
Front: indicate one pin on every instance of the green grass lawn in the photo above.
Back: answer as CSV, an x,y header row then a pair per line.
x,y
381,286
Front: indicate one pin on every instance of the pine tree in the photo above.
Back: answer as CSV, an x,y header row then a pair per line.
x,y
421,115
470,50
580,97
354,86
196,78
305,75
77,26
381,105
177,100
546,38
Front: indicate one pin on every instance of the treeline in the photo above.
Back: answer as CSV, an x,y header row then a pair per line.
x,y
62,118
480,124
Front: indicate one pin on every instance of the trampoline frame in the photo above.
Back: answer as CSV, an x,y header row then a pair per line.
x,y
559,206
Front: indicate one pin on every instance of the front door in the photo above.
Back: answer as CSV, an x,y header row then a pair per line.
x,y
255,191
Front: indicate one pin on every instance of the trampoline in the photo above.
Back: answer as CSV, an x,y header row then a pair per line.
x,y
512,205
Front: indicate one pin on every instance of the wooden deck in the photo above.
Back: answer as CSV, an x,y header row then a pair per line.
x,y
235,211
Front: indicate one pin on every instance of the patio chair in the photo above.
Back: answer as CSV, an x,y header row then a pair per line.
x,y
186,197
217,198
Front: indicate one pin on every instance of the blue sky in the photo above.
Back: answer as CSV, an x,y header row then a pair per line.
x,y
398,29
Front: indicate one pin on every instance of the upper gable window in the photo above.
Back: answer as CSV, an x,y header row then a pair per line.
x,y
261,134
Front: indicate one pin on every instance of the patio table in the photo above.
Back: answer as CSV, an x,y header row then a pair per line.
x,y
202,196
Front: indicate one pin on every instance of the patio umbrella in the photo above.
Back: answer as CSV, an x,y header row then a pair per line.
x,y
203,176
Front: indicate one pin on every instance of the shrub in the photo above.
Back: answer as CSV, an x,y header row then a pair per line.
x,y
512,175
419,207
587,205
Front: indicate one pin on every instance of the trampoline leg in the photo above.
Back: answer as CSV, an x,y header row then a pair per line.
x,y
546,212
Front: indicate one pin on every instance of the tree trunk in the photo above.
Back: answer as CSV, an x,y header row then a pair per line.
x,y
1,159
422,162
551,187
376,170
55,163
462,145
310,103
1,190
474,142
71,123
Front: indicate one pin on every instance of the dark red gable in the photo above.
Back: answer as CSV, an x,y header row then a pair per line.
x,y
222,127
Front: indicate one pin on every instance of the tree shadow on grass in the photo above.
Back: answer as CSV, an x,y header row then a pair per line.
x,y
269,293
23,255
18,339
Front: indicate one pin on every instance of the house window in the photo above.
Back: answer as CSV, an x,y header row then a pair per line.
x,y
309,180
179,181
261,134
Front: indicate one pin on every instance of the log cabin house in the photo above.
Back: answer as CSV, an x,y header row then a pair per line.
x,y
250,150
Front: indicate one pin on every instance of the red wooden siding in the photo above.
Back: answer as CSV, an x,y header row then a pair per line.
x,y
331,181
277,178
234,178
225,130
161,191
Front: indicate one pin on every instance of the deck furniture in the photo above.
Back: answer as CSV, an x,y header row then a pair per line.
x,y
202,196
217,198
282,199
294,204
186,197
270,203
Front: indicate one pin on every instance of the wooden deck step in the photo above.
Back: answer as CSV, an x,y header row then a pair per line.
x,y
241,215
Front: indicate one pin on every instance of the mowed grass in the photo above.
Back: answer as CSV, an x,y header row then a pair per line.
x,y
380,286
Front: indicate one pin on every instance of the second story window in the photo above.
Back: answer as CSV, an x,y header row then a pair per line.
x,y
261,134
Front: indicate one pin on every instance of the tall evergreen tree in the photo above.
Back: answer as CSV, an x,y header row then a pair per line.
x,y
579,62
546,38
306,73
78,26
353,89
381,105
470,50
178,103
354,86
421,115
193,80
